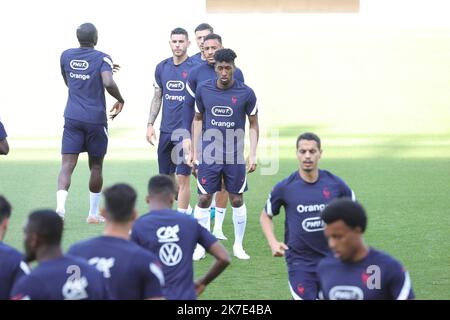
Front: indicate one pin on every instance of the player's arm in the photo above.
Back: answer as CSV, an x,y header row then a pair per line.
x,y
155,106
278,248
254,137
112,88
63,72
188,117
196,135
222,261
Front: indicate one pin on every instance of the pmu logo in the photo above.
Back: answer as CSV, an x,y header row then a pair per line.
x,y
175,85
313,224
79,65
222,111
346,293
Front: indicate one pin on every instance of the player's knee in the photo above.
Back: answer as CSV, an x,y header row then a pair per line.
x,y
204,200
237,202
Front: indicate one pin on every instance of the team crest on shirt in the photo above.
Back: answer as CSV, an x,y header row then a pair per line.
x,y
300,289
233,100
203,180
184,74
364,277
326,193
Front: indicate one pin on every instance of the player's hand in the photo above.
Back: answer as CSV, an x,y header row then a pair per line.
x,y
116,68
278,249
194,166
151,135
199,288
251,164
116,109
187,148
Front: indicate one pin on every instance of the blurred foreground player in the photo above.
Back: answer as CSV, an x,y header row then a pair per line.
x,y
356,271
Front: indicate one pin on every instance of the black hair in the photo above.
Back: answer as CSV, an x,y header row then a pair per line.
x,y
47,224
179,31
5,209
87,34
350,212
204,26
214,36
225,55
161,184
309,136
120,200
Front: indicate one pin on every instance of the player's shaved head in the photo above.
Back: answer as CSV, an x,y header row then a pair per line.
x,y
47,224
346,210
120,200
87,35
161,186
43,230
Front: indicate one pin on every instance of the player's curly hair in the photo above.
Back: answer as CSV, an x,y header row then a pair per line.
x,y
225,55
350,212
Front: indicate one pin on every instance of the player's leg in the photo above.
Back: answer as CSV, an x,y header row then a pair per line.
x,y
236,184
72,144
303,285
208,182
97,145
183,172
95,189
4,147
69,161
165,164
184,191
219,212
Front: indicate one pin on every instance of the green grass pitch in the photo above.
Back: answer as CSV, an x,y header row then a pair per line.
x,y
402,181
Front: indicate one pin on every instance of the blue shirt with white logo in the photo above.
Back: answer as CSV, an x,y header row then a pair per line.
x,y
171,79
12,268
376,277
303,203
131,272
83,68
172,236
225,112
199,74
64,278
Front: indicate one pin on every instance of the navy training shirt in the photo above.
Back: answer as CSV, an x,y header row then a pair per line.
x,y
83,68
225,111
171,79
173,236
376,277
12,268
199,74
303,203
131,272
64,278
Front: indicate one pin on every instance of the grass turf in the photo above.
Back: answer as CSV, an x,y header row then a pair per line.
x,y
403,191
